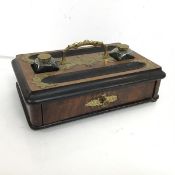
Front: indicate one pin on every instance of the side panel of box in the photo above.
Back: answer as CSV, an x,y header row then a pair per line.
x,y
33,112
156,90
97,101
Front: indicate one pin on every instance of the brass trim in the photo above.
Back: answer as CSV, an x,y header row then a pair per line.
x,y
102,101
78,61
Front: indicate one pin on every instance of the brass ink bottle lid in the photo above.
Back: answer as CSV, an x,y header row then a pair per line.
x,y
44,58
122,47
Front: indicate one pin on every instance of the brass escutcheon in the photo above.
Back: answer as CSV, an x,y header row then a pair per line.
x,y
102,101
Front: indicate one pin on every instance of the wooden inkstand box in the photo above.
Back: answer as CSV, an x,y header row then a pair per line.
x,y
77,82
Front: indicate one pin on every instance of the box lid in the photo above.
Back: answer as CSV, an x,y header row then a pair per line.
x,y
84,70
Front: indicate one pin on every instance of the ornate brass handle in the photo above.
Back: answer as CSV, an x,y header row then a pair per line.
x,y
102,101
84,43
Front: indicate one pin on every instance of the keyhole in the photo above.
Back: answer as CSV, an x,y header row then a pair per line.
x,y
102,99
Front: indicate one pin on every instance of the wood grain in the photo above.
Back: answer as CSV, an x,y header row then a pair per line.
x,y
71,107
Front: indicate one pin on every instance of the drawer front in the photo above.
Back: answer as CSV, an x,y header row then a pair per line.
x,y
96,101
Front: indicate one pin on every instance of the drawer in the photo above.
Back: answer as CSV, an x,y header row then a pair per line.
x,y
63,109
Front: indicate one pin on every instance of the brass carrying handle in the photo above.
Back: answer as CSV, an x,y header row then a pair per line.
x,y
84,43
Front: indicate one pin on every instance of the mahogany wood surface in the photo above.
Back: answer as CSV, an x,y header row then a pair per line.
x,y
68,99
72,107
29,74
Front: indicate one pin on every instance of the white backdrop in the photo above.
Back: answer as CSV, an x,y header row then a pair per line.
x,y
135,141
38,25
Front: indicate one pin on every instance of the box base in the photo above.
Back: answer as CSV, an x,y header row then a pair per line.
x,y
77,117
